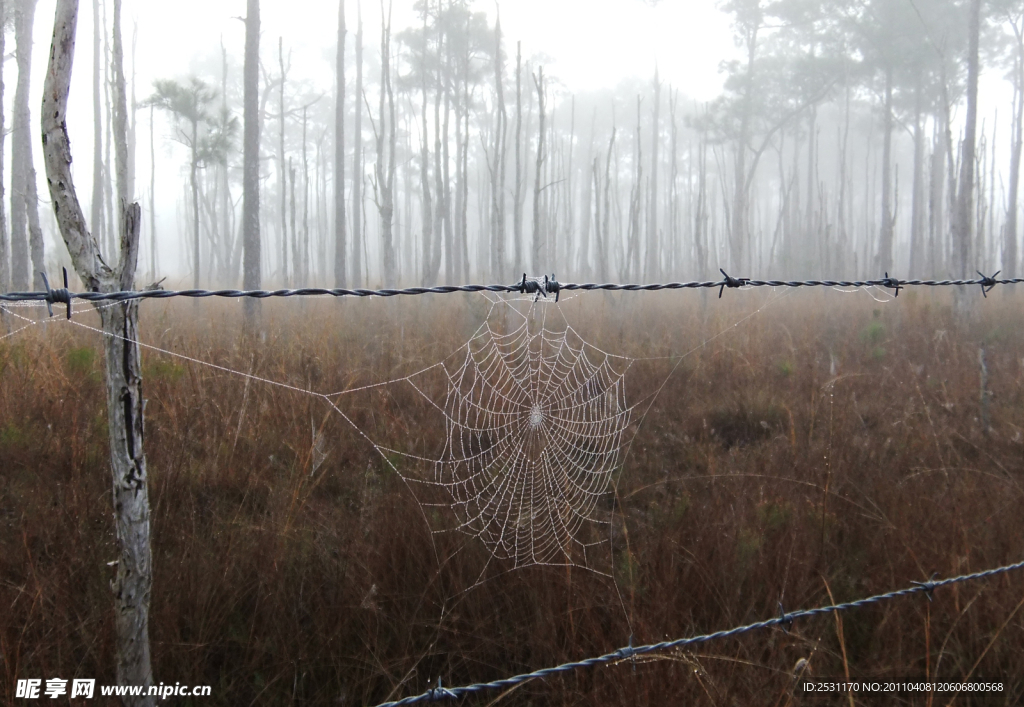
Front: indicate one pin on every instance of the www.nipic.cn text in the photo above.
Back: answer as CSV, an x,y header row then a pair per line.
x,y
86,689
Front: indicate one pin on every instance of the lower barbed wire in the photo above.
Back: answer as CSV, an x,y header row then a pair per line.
x,y
628,652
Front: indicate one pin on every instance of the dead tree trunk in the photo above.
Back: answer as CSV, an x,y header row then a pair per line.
x,y
26,21
194,184
390,260
917,199
588,185
120,128
444,171
965,196
886,231
653,260
408,244
463,170
384,171
672,247
339,154
5,272
152,196
457,214
539,246
108,179
497,261
96,219
357,159
603,240
991,237
26,248
517,203
250,162
636,203
1010,230
700,217
595,178
229,273
739,235
439,184
305,206
844,229
282,168
295,241
132,585
35,230
429,275
936,199
808,235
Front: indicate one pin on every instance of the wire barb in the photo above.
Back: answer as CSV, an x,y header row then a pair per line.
x,y
629,652
927,587
538,287
784,620
893,283
988,283
731,282
552,285
58,296
442,693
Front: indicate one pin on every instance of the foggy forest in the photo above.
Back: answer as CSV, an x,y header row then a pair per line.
x,y
846,140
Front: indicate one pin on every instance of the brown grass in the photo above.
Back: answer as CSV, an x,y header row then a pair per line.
x,y
761,474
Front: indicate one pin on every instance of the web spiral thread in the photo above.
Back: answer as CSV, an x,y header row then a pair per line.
x,y
535,424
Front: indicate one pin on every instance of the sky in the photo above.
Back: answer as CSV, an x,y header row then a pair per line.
x,y
583,45
590,44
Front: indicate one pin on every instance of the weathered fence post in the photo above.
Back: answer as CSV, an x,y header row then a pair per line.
x,y
123,363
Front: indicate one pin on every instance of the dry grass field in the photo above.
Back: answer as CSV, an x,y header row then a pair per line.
x,y
820,446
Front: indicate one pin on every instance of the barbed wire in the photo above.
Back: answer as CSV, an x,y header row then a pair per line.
x,y
539,286
628,652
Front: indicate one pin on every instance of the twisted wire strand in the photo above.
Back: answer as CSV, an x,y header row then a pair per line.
x,y
259,294
540,286
884,282
627,652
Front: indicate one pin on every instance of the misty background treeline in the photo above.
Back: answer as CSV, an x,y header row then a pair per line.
x,y
846,142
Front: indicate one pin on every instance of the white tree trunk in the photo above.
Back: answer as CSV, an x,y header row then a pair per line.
x,y
251,168
5,256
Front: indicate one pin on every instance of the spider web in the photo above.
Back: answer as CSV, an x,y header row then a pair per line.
x,y
534,426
